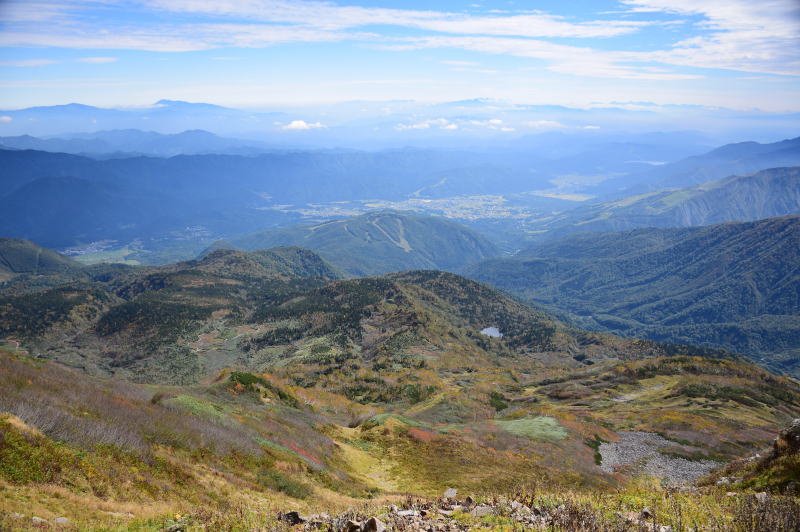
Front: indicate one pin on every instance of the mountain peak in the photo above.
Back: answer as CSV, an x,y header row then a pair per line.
x,y
181,104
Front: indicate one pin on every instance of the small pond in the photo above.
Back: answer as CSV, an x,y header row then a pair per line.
x,y
494,332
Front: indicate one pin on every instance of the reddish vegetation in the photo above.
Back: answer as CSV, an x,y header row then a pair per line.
x,y
118,400
422,435
303,453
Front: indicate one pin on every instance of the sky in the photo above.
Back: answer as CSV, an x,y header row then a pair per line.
x,y
739,54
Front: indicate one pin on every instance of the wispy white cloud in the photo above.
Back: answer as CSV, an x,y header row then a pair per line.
x,y
35,11
761,36
178,38
441,123
758,37
6,119
130,40
330,16
495,124
475,70
544,124
461,63
28,62
187,38
302,125
566,59
98,60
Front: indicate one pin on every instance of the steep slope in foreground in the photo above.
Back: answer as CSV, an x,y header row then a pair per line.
x,y
733,286
235,451
306,392
381,242
776,469
739,198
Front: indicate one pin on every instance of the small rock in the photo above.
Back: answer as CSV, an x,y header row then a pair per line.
x,y
393,509
450,493
469,501
446,512
665,528
410,513
788,441
318,519
293,518
762,497
351,526
646,514
481,510
15,515
523,511
177,527
731,494
373,524
723,481
38,520
629,517
538,521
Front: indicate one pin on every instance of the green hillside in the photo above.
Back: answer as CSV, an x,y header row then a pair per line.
x,y
382,242
281,262
19,256
733,285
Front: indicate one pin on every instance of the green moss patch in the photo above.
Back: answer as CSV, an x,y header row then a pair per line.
x,y
196,406
536,428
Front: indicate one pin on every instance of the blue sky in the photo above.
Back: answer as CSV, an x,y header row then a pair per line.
x,y
270,53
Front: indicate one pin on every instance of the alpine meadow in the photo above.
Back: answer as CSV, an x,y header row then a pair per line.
x,y
384,265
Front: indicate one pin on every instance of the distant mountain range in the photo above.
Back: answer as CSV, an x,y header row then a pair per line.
x,y
735,285
473,124
185,202
764,194
382,242
166,116
120,143
59,200
732,159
